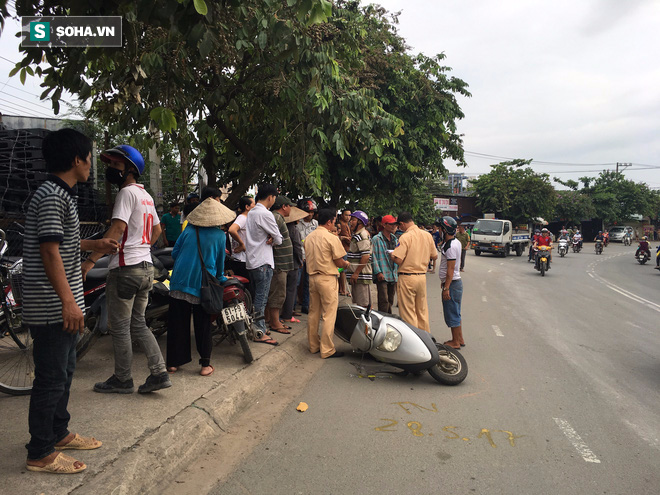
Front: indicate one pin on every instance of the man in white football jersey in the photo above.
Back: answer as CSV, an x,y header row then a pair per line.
x,y
136,225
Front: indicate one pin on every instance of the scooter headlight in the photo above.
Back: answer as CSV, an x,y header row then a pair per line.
x,y
392,340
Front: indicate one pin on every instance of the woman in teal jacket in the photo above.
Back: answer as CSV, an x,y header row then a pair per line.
x,y
186,281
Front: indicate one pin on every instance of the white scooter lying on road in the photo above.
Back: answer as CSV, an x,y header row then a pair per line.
x,y
391,340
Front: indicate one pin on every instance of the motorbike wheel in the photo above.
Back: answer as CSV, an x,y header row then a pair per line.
x,y
562,253
157,320
89,337
642,260
477,252
449,374
542,267
245,346
17,371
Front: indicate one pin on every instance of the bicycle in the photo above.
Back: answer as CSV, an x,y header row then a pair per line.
x,y
16,364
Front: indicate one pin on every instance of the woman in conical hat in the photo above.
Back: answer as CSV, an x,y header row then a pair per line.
x,y
206,221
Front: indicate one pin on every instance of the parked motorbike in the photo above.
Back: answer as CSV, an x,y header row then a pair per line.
x,y
235,321
391,340
96,309
16,364
543,259
563,247
599,247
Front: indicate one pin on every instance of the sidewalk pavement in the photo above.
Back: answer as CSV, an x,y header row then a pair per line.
x,y
146,438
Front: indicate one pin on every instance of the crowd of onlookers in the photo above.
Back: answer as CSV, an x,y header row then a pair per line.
x,y
290,253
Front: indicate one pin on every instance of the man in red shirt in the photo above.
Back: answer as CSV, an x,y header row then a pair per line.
x,y
544,240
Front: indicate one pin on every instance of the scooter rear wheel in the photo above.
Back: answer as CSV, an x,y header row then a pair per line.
x,y
449,374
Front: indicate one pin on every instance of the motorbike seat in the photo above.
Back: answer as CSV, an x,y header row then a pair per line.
x,y
232,281
97,275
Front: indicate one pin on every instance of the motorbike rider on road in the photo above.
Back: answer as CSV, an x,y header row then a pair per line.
x,y
643,247
577,237
543,240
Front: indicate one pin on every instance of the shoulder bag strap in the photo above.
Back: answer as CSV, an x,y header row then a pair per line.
x,y
199,249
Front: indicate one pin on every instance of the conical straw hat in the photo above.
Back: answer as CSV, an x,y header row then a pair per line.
x,y
295,214
210,213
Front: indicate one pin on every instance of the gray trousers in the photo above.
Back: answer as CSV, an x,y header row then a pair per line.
x,y
127,296
361,294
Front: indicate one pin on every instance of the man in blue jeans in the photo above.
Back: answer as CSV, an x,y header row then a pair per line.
x,y
261,233
136,223
53,301
452,285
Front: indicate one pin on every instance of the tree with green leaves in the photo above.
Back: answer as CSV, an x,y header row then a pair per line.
x,y
259,87
516,193
573,207
614,198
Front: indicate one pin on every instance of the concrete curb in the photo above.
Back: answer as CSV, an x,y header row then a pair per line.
x,y
167,449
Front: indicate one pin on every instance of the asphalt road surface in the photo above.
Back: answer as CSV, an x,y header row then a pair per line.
x,y
562,397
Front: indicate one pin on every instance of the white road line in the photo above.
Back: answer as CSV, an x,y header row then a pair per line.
x,y
483,299
497,331
577,441
490,271
627,294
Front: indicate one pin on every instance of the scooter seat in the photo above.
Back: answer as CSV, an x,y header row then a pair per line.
x,y
97,274
232,281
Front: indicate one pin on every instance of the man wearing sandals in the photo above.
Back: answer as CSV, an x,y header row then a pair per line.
x,y
283,258
261,233
53,300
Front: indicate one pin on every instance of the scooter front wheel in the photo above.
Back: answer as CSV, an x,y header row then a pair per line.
x,y
452,368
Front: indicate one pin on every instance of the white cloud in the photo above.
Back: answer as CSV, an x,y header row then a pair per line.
x,y
559,81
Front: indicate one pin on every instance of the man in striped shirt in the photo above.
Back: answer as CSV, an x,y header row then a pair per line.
x,y
283,258
53,302
359,252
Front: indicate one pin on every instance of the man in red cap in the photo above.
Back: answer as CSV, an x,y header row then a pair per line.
x,y
385,270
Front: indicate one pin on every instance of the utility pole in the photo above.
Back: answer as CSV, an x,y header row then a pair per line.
x,y
622,165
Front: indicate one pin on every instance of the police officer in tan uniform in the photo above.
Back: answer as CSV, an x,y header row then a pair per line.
x,y
416,248
324,253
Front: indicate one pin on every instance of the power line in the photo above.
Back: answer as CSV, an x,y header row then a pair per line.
x,y
23,109
538,162
23,99
10,61
30,93
20,111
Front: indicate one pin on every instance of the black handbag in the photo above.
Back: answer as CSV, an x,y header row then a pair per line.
x,y
211,292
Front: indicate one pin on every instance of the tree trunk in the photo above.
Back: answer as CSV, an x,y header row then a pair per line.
x,y
184,153
250,175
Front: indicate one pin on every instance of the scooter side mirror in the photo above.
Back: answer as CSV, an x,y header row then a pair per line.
x,y
367,314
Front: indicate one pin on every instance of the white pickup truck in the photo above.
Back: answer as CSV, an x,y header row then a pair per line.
x,y
492,235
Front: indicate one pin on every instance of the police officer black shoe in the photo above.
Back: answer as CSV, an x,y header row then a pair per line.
x,y
336,354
